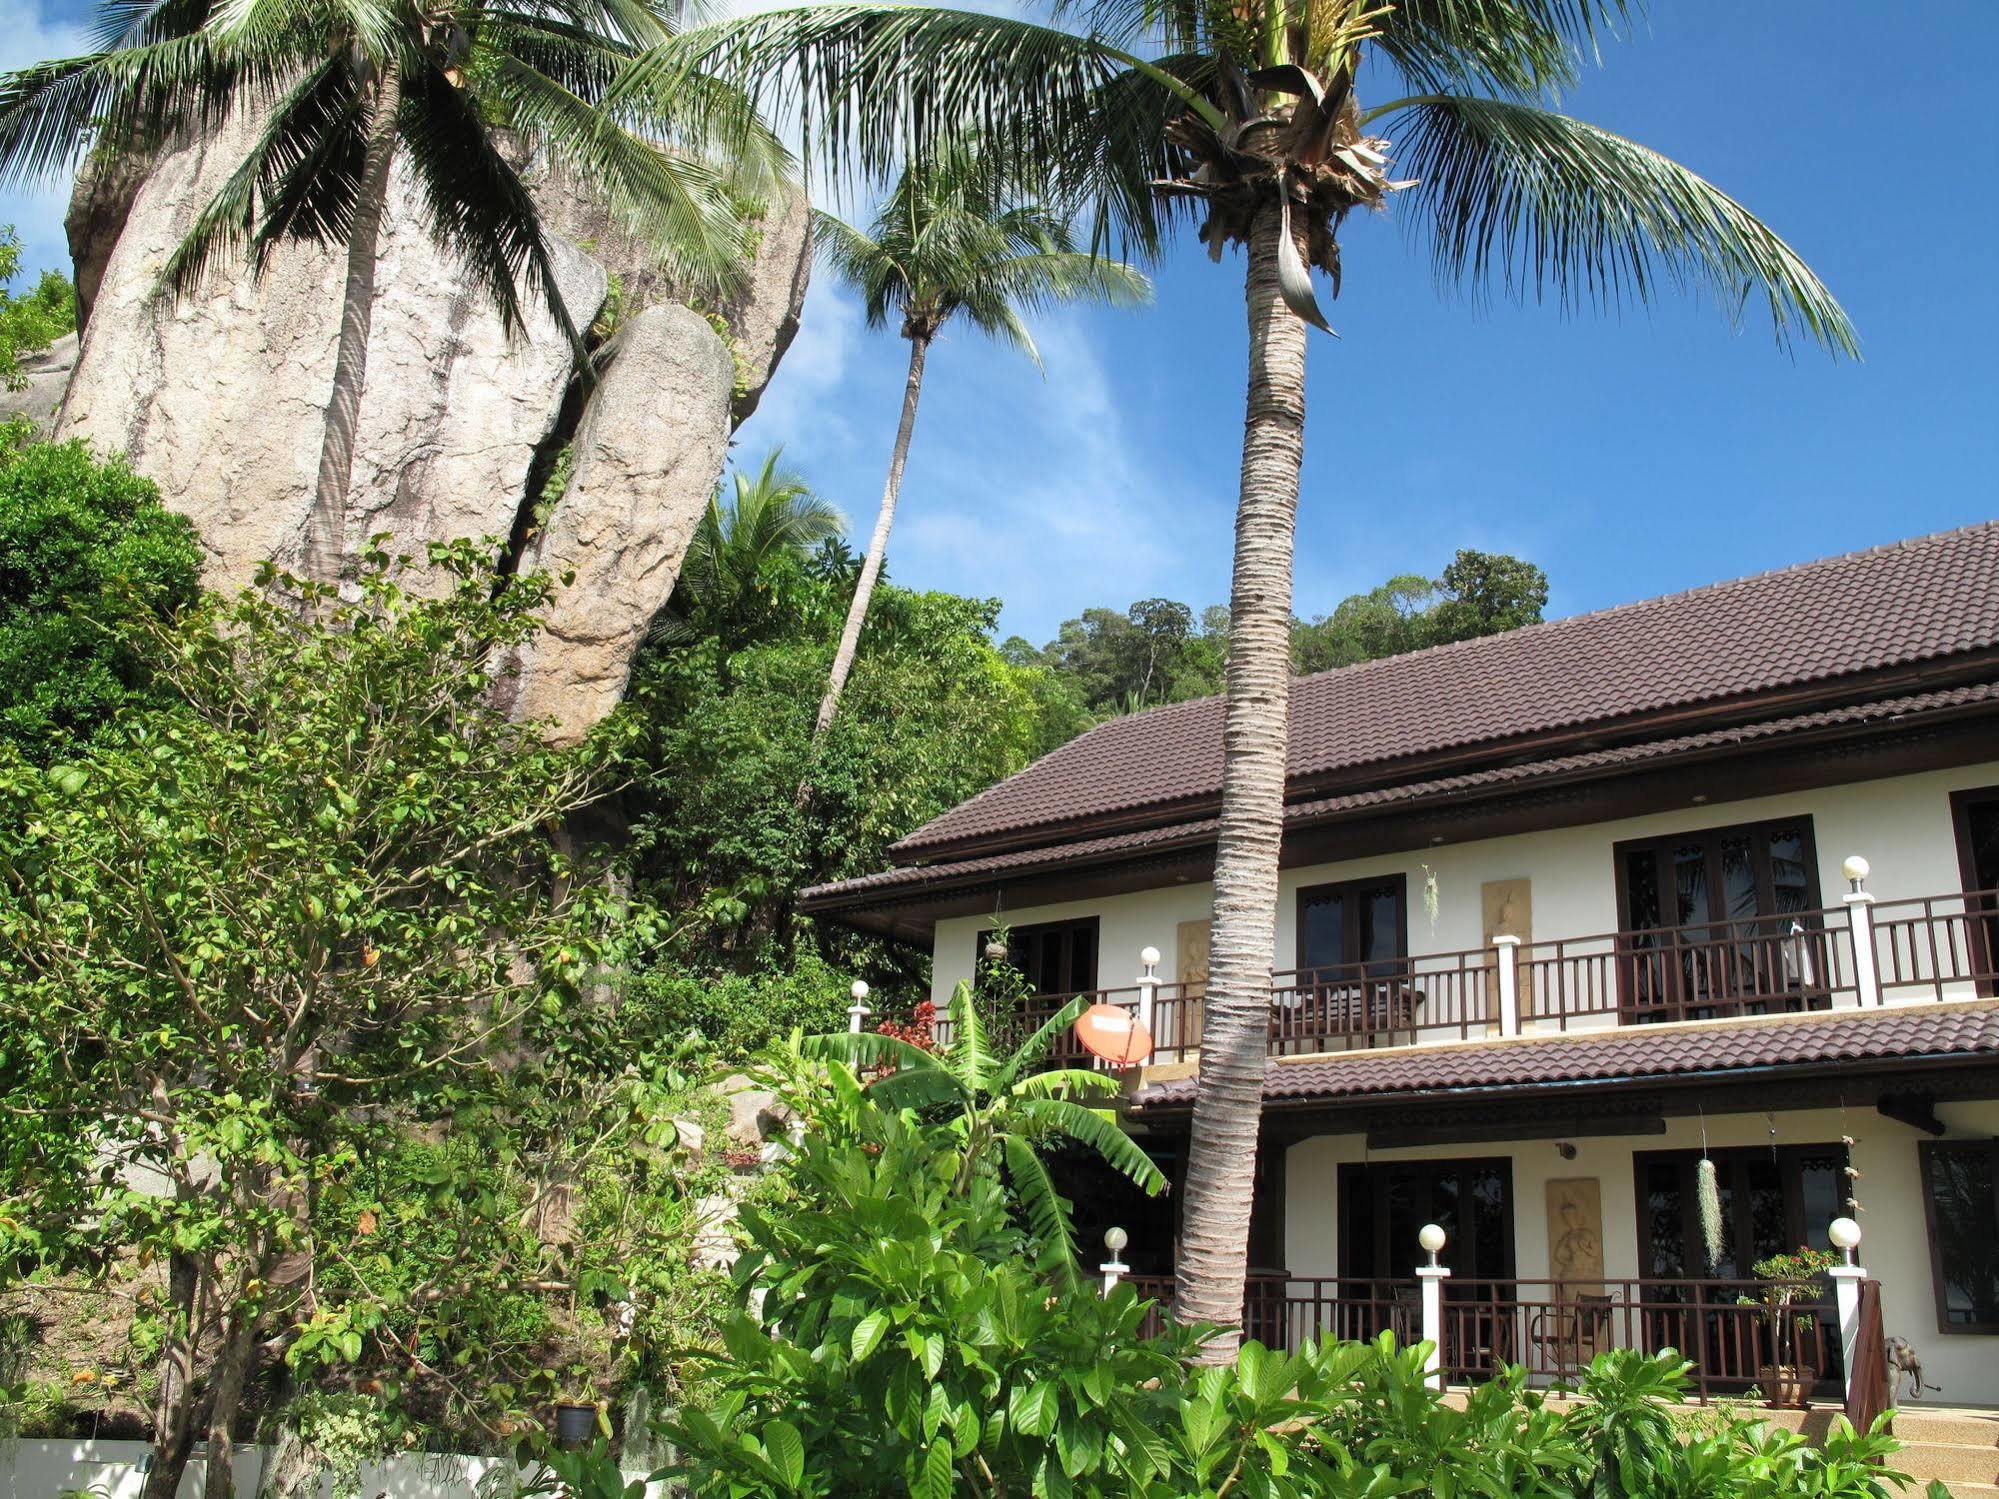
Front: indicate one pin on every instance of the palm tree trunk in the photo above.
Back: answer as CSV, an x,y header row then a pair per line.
x,y
1228,1110
857,611
326,527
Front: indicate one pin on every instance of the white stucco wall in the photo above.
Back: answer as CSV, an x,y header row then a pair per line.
x,y
1902,825
1895,1249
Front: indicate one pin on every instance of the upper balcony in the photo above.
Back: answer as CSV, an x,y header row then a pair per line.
x,y
1860,954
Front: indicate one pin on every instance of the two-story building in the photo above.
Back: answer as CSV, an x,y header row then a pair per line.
x,y
1591,934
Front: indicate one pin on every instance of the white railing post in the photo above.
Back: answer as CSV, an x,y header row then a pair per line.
x,y
1148,989
858,1011
1114,1269
1860,919
1431,1277
1846,1279
1508,950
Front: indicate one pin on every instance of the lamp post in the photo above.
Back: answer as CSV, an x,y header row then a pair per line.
x,y
858,1011
1148,988
1114,1269
1432,1276
1846,1279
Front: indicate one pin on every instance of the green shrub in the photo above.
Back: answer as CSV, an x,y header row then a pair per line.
x,y
737,1013
83,545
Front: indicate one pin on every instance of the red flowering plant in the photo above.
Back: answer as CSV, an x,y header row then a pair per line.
x,y
920,1030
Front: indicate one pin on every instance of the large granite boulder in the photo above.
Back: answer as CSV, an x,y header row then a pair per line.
x,y
220,399
642,470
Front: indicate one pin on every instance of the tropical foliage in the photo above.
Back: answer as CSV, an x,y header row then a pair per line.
x,y
257,943
1252,122
85,548
29,321
895,1338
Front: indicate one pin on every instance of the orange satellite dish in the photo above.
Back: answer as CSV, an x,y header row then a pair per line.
x,y
1113,1033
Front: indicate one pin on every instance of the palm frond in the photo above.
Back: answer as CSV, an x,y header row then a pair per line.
x,y
1046,1209
869,1049
1520,48
969,1059
1526,200
306,162
873,86
1098,1129
678,203
476,204
1030,1052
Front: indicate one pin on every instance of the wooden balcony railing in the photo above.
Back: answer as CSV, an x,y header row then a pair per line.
x,y
1760,965
1725,1328
1930,948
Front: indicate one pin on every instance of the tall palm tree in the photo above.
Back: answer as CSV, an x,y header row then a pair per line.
x,y
951,238
1248,116
342,88
729,574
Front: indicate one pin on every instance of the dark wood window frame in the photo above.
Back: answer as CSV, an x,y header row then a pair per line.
x,y
1926,1152
1670,1005
1790,1167
1984,934
1091,924
1351,1176
1307,893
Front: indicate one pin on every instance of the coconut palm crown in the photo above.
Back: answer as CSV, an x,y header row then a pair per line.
x,y
1250,118
953,237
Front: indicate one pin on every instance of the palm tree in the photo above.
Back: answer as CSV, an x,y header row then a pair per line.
x,y
342,88
1248,116
1001,1110
729,574
949,239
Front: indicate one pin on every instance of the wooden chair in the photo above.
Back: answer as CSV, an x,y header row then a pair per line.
x,y
1568,1335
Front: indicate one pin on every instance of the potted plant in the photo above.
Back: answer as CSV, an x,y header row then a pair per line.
x,y
577,1409
1787,1279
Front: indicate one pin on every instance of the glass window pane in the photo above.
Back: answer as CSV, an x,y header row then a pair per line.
x,y
1322,938
1962,1190
1380,923
1666,1253
1690,884
1790,880
1768,1228
1641,889
1738,877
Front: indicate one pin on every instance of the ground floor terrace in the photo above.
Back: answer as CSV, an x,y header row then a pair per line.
x,y
1571,1224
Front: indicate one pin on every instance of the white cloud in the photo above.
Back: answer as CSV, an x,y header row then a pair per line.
x,y
803,408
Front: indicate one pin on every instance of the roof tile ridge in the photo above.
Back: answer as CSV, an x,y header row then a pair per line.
x,y
1545,627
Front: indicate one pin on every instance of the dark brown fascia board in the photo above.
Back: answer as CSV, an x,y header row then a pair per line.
x,y
1719,713
1674,1091
1865,750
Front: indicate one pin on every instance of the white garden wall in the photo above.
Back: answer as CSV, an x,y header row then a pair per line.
x,y
42,1469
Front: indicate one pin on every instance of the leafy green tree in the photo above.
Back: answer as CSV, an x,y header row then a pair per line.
x,y
256,936
1253,120
1155,652
1480,593
999,1112
1486,593
747,558
32,321
84,545
952,238
726,735
344,91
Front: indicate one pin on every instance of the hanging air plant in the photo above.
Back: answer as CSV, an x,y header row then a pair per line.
x,y
1707,1195
1430,899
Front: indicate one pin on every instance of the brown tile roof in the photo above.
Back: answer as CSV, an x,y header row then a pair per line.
x,y
1195,832
1636,1052
1893,606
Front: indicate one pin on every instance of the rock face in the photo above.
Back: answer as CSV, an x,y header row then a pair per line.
x,y
220,400
645,461
47,374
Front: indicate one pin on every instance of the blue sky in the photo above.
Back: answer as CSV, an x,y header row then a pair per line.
x,y
1628,454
